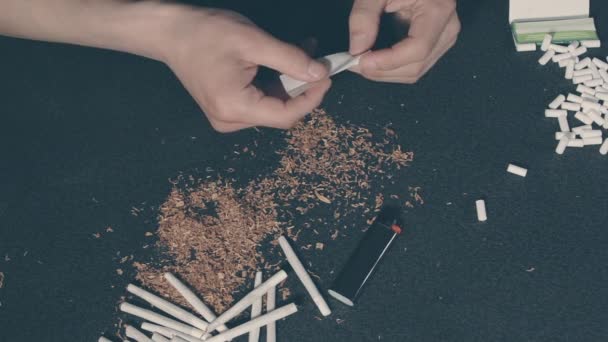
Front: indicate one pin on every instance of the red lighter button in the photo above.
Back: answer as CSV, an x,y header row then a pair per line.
x,y
395,228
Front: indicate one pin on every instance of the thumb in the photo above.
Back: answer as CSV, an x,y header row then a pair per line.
x,y
285,58
364,23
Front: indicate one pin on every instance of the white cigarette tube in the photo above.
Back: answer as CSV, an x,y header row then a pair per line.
x,y
271,328
604,75
581,79
260,321
579,51
574,98
561,57
546,57
569,70
591,133
591,43
482,215
576,143
167,307
156,337
168,332
563,124
594,70
569,135
604,147
256,310
103,339
592,98
517,170
558,48
583,63
571,106
135,334
248,300
566,61
579,129
592,141
582,72
161,320
594,83
555,113
602,96
557,102
193,300
546,42
561,146
591,105
573,45
584,118
596,117
304,277
585,90
600,63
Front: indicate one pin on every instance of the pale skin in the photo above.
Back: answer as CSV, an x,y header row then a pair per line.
x,y
216,53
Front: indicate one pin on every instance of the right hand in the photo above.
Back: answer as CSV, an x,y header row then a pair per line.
x,y
216,55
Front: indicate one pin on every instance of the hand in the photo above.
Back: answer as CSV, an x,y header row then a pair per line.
x,y
434,28
216,55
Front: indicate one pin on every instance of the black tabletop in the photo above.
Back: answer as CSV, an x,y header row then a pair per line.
x,y
88,134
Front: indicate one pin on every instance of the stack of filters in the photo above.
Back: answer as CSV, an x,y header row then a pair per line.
x,y
177,324
587,107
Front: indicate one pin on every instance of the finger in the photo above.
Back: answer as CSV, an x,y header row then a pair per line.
x,y
425,30
263,49
364,23
227,127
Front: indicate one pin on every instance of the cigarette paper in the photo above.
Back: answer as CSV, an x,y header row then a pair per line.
x,y
574,98
248,300
160,320
571,106
600,63
168,332
579,51
563,124
517,170
304,277
561,57
258,322
558,48
546,57
103,339
156,337
481,210
167,307
594,83
604,147
557,102
585,90
591,133
193,300
561,146
582,64
592,141
576,143
569,135
135,334
256,310
555,113
584,118
546,42
581,79
591,43
271,328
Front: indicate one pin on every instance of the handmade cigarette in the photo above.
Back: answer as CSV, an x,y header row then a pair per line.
x,y
604,76
591,98
156,337
579,51
561,146
517,170
574,98
546,57
581,79
592,141
248,300
571,106
600,63
602,96
569,135
563,124
168,307
594,83
135,334
480,205
594,70
576,143
582,72
561,56
161,320
591,105
558,48
591,133
555,113
557,102
258,322
582,64
585,90
565,62
596,117
271,328
168,332
591,43
584,118
604,147
569,70
579,129
304,277
193,300
546,42
256,310
573,45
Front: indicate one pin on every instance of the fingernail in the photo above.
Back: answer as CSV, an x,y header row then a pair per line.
x,y
317,70
357,43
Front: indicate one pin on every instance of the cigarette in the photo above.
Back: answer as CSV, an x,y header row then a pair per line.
x,y
574,98
156,337
595,116
581,79
248,300
103,339
573,45
602,96
561,146
604,75
582,117
558,48
569,135
583,89
580,129
517,170
587,104
546,42
576,143
582,64
579,51
591,133
594,82
561,57
481,210
177,339
168,307
302,274
571,106
168,332
604,147
555,113
255,323
563,124
193,300
557,102
135,334
592,141
591,43
546,57
271,328
569,70
160,320
256,310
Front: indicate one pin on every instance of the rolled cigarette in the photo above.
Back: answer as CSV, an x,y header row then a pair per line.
x,y
248,300
546,42
557,102
168,332
517,170
256,310
103,339
480,205
135,334
177,339
168,307
260,321
563,124
156,337
591,43
304,277
582,64
558,48
161,320
576,143
561,146
193,300
604,147
271,328
546,57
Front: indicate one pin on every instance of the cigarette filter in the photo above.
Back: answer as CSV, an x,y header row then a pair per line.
x,y
366,257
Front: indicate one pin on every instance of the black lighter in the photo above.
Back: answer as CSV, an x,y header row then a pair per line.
x,y
362,263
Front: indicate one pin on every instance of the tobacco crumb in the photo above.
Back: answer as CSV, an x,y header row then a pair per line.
x,y
97,235
319,246
149,234
109,230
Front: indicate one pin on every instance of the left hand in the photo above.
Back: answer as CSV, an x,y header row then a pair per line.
x,y
434,28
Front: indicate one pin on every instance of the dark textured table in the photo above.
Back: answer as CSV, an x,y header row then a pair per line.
x,y
88,134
